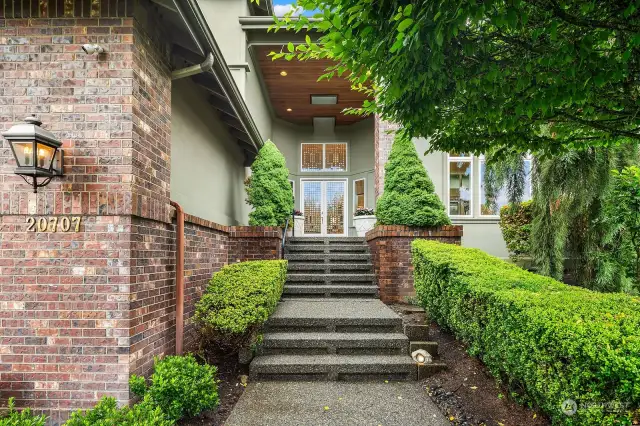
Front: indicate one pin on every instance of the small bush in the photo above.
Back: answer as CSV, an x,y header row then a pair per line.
x,y
238,300
408,198
180,387
107,413
549,342
14,417
515,223
268,188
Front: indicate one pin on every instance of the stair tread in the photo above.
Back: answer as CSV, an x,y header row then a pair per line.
x,y
327,336
334,309
319,360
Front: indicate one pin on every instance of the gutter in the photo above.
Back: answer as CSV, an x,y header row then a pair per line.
x,y
264,22
198,25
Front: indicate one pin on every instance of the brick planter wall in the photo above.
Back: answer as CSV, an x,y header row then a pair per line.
x,y
390,248
254,243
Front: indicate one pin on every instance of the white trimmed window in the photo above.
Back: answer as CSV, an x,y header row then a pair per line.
x,y
492,207
324,157
460,184
359,193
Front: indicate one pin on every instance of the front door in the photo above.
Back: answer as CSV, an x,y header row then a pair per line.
x,y
324,207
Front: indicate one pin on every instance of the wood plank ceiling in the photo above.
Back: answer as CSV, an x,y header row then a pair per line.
x,y
294,90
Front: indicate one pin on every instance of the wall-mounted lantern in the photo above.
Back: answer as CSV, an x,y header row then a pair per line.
x,y
37,152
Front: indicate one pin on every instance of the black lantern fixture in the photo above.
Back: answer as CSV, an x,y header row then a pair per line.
x,y
37,152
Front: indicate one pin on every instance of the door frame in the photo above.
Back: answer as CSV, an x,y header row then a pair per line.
x,y
324,204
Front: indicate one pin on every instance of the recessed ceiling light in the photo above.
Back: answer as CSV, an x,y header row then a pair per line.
x,y
289,110
324,99
283,73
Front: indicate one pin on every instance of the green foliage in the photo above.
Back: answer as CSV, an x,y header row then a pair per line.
x,y
409,197
625,210
472,75
14,417
107,413
547,341
238,300
515,223
268,188
180,387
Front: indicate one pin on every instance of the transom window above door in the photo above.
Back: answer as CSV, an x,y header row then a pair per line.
x,y
324,157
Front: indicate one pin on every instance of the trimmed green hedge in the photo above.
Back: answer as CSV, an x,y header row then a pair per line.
x,y
547,341
239,299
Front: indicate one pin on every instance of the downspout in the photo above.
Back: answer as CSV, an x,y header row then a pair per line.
x,y
179,277
194,69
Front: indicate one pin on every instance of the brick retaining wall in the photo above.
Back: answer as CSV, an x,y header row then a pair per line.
x,y
390,248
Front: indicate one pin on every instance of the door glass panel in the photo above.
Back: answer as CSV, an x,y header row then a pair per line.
x,y
335,207
312,207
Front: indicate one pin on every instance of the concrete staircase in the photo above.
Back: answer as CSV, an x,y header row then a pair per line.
x,y
330,324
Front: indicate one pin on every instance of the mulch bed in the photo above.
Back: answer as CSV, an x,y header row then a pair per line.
x,y
230,388
466,392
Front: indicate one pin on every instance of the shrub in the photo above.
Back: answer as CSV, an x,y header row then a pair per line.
x,y
180,387
107,413
408,197
547,340
14,417
268,188
364,212
625,211
238,300
515,223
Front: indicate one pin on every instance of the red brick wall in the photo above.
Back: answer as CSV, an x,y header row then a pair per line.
x,y
390,248
254,243
383,140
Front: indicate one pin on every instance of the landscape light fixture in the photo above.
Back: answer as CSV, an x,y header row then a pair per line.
x,y
421,356
91,49
37,152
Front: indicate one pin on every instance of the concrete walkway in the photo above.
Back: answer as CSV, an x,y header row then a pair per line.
x,y
335,403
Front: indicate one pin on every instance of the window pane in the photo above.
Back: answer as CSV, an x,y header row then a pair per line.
x,y
312,157
359,187
460,187
336,156
360,201
491,206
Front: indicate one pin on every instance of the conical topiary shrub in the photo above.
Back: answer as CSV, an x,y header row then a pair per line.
x,y
408,197
268,188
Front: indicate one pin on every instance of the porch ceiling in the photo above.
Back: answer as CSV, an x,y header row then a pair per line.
x,y
294,90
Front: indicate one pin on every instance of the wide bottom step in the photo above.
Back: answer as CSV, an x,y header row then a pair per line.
x,y
333,367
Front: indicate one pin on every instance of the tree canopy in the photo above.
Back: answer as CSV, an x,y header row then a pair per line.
x,y
480,75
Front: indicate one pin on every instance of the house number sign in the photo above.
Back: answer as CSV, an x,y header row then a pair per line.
x,y
54,224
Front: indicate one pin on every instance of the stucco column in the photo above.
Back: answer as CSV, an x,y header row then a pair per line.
x,y
384,134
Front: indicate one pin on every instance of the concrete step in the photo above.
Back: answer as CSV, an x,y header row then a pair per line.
x,y
328,268
331,278
327,258
328,240
325,248
334,315
329,291
332,367
334,343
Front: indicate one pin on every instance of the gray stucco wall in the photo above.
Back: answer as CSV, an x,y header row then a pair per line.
x,y
207,173
360,157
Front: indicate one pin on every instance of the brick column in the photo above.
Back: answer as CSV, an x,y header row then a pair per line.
x,y
81,311
384,134
390,248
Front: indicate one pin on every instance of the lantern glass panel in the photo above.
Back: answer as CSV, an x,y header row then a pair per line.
x,y
44,156
24,153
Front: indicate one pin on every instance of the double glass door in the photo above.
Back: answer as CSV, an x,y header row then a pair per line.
x,y
324,207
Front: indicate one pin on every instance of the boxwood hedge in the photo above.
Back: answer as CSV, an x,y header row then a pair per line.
x,y
549,342
238,300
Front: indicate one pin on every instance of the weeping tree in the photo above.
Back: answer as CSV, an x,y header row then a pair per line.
x,y
572,217
268,188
